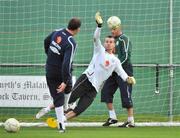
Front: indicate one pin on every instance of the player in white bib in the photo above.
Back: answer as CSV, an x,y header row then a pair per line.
x,y
103,63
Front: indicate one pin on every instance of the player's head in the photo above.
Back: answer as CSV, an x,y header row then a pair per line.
x,y
74,25
114,24
109,43
115,32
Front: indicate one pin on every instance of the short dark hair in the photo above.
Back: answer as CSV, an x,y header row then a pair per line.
x,y
74,24
109,36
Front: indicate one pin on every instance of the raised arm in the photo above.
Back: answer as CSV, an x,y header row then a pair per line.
x,y
97,42
97,33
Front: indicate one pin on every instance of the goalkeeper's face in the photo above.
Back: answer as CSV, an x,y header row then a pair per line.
x,y
116,32
109,43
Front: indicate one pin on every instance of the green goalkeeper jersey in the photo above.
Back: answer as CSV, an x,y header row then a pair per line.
x,y
123,49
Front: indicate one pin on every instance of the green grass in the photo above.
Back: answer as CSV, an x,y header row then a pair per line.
x,y
90,118
95,132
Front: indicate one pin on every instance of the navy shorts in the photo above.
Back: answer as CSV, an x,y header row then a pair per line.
x,y
53,82
114,82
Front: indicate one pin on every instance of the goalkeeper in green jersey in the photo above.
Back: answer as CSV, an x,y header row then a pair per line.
x,y
123,50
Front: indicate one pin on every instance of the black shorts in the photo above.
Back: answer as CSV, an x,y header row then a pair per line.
x,y
85,92
111,85
53,82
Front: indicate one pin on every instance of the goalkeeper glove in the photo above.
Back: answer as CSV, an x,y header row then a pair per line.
x,y
131,80
98,19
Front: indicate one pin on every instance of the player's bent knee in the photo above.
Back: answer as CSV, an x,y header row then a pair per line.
x,y
77,112
127,105
107,99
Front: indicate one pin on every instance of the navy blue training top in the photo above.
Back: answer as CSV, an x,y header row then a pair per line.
x,y
60,48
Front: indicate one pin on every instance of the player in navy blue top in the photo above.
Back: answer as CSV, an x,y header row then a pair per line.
x,y
60,53
60,48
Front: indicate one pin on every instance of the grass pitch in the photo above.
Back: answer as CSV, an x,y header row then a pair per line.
x,y
94,132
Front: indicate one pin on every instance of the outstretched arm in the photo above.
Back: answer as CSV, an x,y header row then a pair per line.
x,y
97,33
120,71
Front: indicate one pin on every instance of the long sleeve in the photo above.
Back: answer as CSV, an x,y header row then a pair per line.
x,y
97,42
97,34
67,63
120,71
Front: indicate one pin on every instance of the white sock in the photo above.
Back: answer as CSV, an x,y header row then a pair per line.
x,y
66,100
131,119
60,115
64,118
47,109
112,114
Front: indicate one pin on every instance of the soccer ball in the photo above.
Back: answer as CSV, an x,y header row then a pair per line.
x,y
113,22
12,125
